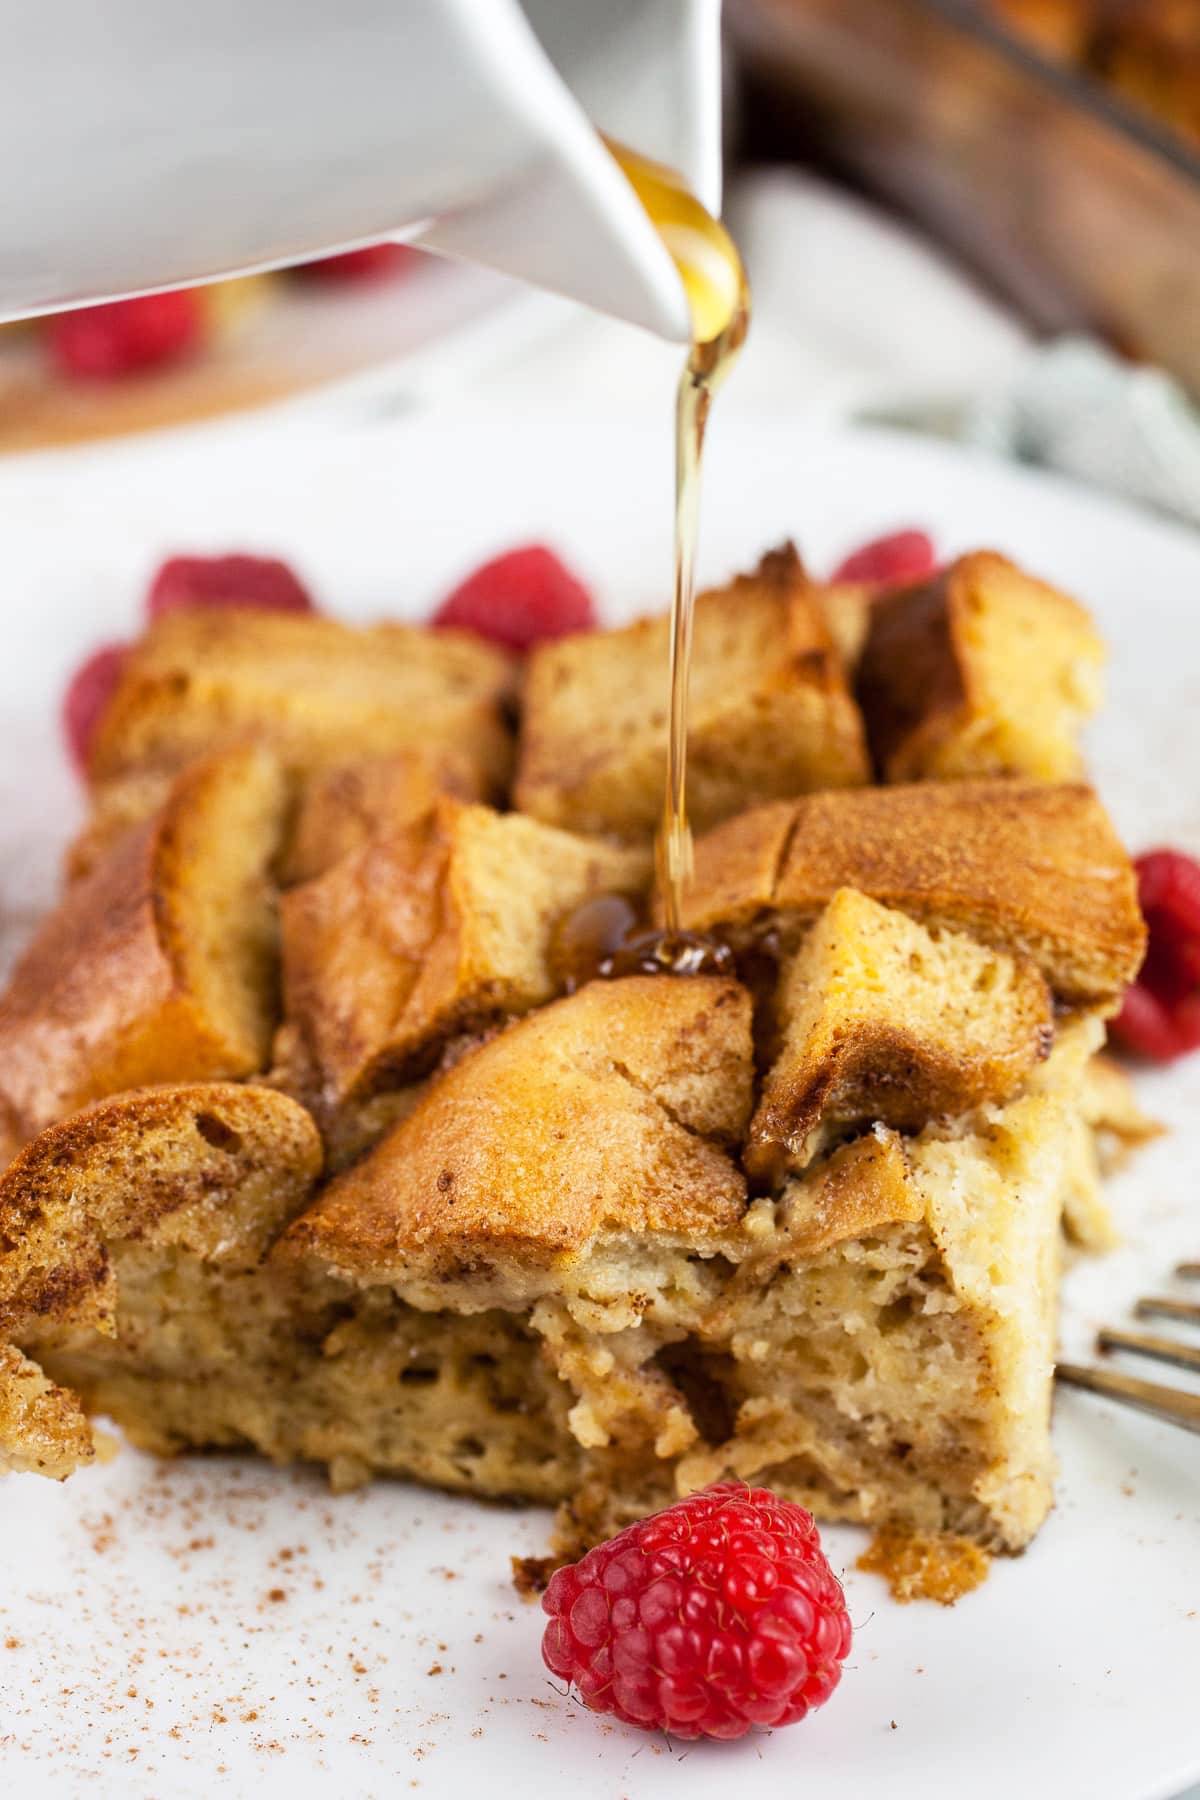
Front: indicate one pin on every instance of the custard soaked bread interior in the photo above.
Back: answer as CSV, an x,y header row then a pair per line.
x,y
623,1327
551,1279
398,1206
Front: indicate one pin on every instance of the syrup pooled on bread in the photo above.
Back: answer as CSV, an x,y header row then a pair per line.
x,y
719,298
607,938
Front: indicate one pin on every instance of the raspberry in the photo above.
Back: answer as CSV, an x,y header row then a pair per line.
x,y
1187,1023
708,1619
1160,1015
891,561
371,263
1169,882
89,692
519,599
259,581
1172,966
1144,1024
126,335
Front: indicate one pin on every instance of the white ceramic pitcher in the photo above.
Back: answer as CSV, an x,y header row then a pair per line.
x,y
158,143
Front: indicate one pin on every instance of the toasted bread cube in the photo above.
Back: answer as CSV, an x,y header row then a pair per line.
x,y
116,807
1031,869
160,965
336,809
323,693
770,711
612,1110
209,1172
842,1360
439,928
981,671
342,809
882,1020
545,1282
846,608
43,1430
894,1331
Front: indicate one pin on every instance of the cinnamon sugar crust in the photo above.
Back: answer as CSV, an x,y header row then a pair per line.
x,y
160,965
615,1109
1029,868
882,1020
596,1250
210,1171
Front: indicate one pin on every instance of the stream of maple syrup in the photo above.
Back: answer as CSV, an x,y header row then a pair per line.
x,y
607,936
718,296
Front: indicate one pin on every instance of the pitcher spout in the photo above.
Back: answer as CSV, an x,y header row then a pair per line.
x,y
645,73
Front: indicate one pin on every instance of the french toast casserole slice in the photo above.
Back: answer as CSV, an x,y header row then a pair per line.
x,y
385,1198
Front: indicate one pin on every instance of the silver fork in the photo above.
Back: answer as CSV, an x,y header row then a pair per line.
x,y
1148,1396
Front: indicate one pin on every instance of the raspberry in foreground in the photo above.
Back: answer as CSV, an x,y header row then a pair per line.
x,y
890,561
123,336
708,1619
218,581
519,599
88,693
1160,1015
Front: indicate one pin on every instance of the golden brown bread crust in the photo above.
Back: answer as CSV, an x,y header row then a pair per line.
x,y
436,929
43,1430
155,967
980,671
116,807
612,1109
880,1020
846,607
336,810
661,1335
322,692
342,809
214,1169
771,712
218,1167
860,1188
1033,869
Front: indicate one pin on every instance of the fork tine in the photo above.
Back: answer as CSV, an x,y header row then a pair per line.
x,y
1144,1343
1157,1306
1147,1396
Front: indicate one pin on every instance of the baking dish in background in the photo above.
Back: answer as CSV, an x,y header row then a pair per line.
x,y
1076,205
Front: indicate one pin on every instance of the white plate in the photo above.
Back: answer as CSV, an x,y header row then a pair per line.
x,y
163,1629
